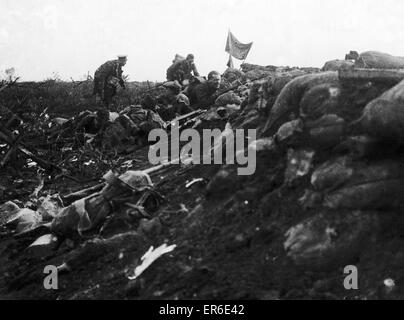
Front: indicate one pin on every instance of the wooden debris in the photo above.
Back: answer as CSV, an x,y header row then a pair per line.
x,y
8,138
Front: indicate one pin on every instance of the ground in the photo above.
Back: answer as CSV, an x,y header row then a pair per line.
x,y
229,233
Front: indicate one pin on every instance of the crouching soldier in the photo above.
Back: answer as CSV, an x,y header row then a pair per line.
x,y
183,70
173,103
107,78
204,94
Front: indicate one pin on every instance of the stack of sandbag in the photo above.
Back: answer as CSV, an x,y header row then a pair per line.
x,y
328,108
277,82
312,96
383,118
379,60
289,100
347,194
320,100
345,184
232,74
253,71
327,131
247,67
311,123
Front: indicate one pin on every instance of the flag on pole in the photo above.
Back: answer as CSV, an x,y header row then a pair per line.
x,y
230,62
237,49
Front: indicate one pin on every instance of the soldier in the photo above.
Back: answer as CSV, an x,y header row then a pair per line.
x,y
107,78
137,123
204,94
230,76
182,70
352,55
173,103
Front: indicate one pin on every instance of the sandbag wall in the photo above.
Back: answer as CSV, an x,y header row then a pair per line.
x,y
344,140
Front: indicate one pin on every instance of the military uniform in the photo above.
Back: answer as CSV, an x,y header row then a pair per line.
x,y
140,120
202,96
182,70
131,129
106,80
173,105
181,104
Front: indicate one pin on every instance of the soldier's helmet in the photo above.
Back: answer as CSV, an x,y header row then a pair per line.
x,y
190,57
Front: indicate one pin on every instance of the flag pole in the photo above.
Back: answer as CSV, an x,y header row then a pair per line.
x,y
242,63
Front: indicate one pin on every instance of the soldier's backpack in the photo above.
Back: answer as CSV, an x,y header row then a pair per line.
x,y
178,58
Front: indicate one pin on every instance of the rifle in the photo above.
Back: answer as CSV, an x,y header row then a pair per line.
x,y
238,84
233,87
155,87
185,118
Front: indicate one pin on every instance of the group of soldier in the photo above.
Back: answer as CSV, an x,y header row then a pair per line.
x,y
186,90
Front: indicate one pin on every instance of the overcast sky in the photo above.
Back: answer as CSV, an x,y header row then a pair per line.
x,y
73,37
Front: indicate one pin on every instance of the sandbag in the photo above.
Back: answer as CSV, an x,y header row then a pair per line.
x,y
332,174
335,65
260,145
257,74
363,147
253,71
289,132
384,194
277,83
320,100
299,163
251,121
379,60
344,171
383,118
349,185
330,240
326,131
232,74
246,67
289,99
228,98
